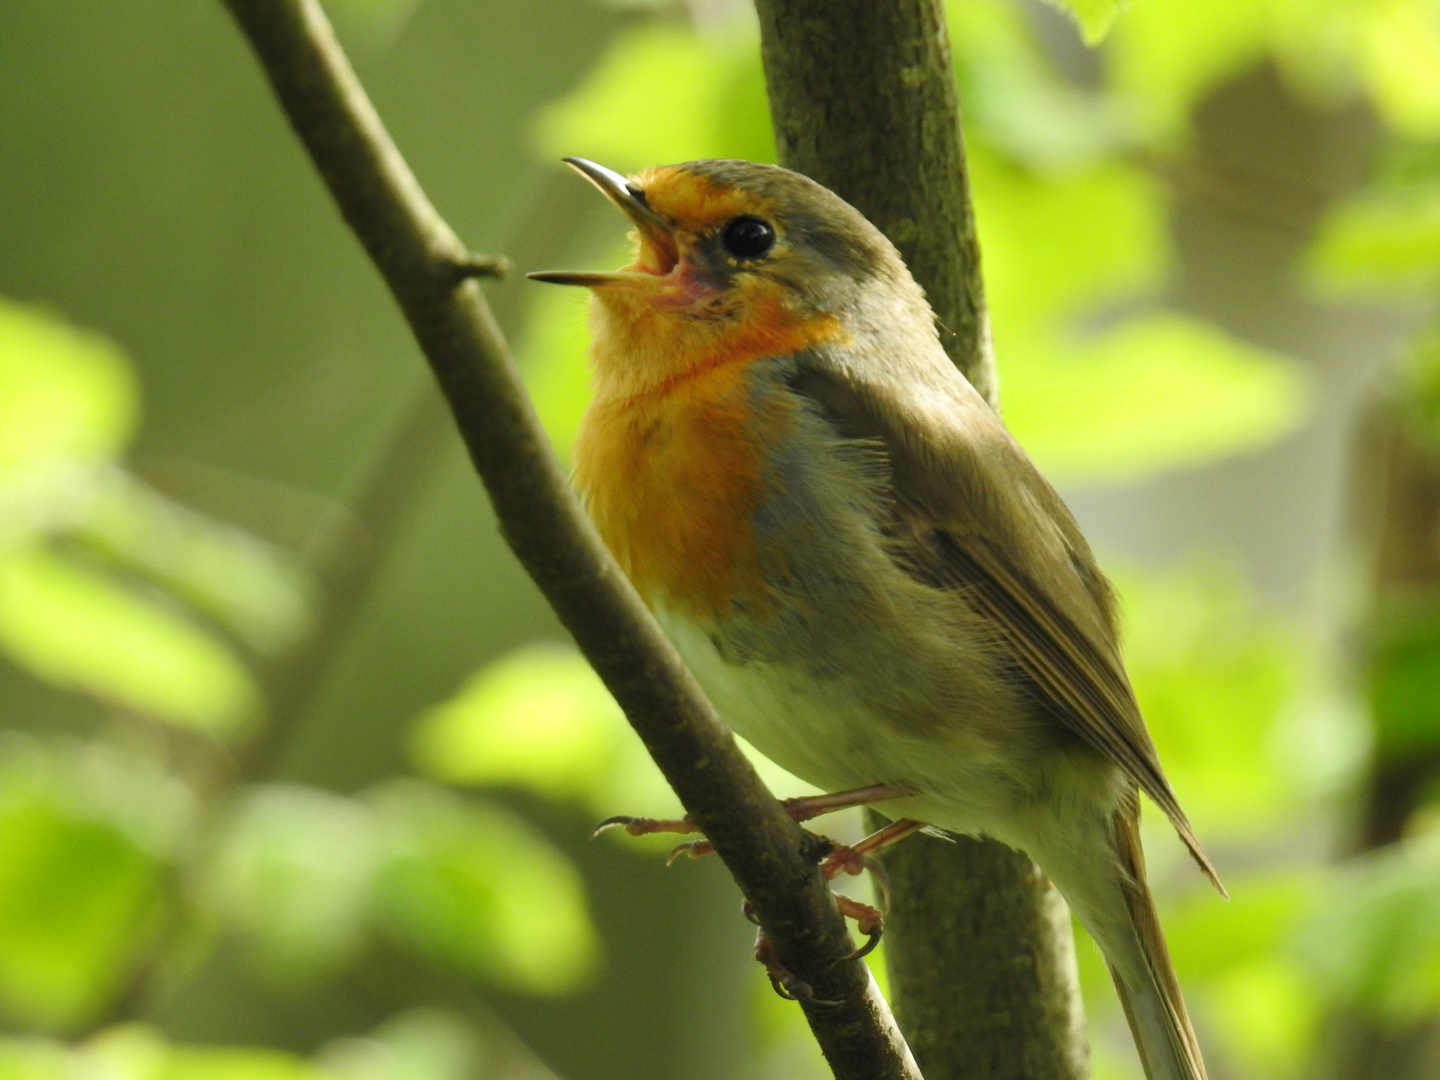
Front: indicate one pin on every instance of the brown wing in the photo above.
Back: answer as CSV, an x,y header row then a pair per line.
x,y
974,514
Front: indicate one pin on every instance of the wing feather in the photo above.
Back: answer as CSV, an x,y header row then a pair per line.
x,y
975,516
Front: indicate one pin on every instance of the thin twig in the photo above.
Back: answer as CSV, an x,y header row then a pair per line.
x,y
416,253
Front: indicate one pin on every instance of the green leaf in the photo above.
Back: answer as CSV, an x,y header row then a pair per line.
x,y
1269,1015
652,99
552,354
1163,58
1374,943
539,719
138,1052
1379,241
250,588
471,885
65,395
1213,939
1404,671
419,1044
1398,50
1094,17
77,898
1214,678
34,1059
292,873
81,629
1157,392
1013,98
1056,245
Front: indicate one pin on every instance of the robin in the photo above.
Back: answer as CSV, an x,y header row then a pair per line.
x,y
864,570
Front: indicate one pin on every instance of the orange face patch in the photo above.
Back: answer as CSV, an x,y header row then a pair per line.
x,y
696,203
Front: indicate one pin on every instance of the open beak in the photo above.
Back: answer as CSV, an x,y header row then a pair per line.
x,y
657,241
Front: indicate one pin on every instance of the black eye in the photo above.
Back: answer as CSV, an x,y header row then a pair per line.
x,y
748,237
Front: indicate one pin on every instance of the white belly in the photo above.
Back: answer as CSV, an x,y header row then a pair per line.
x,y
824,734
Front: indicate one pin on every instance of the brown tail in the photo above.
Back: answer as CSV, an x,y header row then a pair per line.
x,y
1141,969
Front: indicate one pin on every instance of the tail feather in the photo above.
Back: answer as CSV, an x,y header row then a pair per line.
x,y
1143,974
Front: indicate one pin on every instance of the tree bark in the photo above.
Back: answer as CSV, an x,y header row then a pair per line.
x,y
430,274
978,943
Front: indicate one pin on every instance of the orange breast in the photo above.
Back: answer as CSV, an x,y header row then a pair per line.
x,y
671,451
673,480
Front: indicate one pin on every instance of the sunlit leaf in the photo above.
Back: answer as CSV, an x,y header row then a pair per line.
x,y
1399,57
64,393
68,400
1212,939
1234,964
1163,57
139,1052
1381,240
651,100
81,629
250,588
1268,1014
473,886
538,719
1094,17
77,898
1012,97
292,873
552,357
420,1044
1157,392
1214,678
541,719
34,1059
1374,942
1056,246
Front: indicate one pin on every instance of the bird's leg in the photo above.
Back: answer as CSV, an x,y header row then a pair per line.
x,y
853,859
869,920
836,859
800,809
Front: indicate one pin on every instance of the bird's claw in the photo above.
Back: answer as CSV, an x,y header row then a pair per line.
x,y
870,921
644,826
784,981
694,849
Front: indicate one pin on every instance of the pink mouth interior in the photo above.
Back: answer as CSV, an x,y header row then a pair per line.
x,y
659,254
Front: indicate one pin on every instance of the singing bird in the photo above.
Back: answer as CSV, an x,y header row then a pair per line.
x,y
862,567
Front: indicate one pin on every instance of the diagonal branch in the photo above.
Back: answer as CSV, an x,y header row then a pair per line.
x,y
427,270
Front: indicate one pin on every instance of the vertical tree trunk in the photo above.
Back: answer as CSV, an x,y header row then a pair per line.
x,y
978,942
1398,487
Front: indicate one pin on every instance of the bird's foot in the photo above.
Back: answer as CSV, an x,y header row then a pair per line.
x,y
855,859
786,983
834,859
643,826
800,809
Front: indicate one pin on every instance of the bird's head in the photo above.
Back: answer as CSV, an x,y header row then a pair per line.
x,y
733,260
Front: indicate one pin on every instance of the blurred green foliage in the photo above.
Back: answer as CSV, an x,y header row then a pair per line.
x,y
1098,383
138,857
